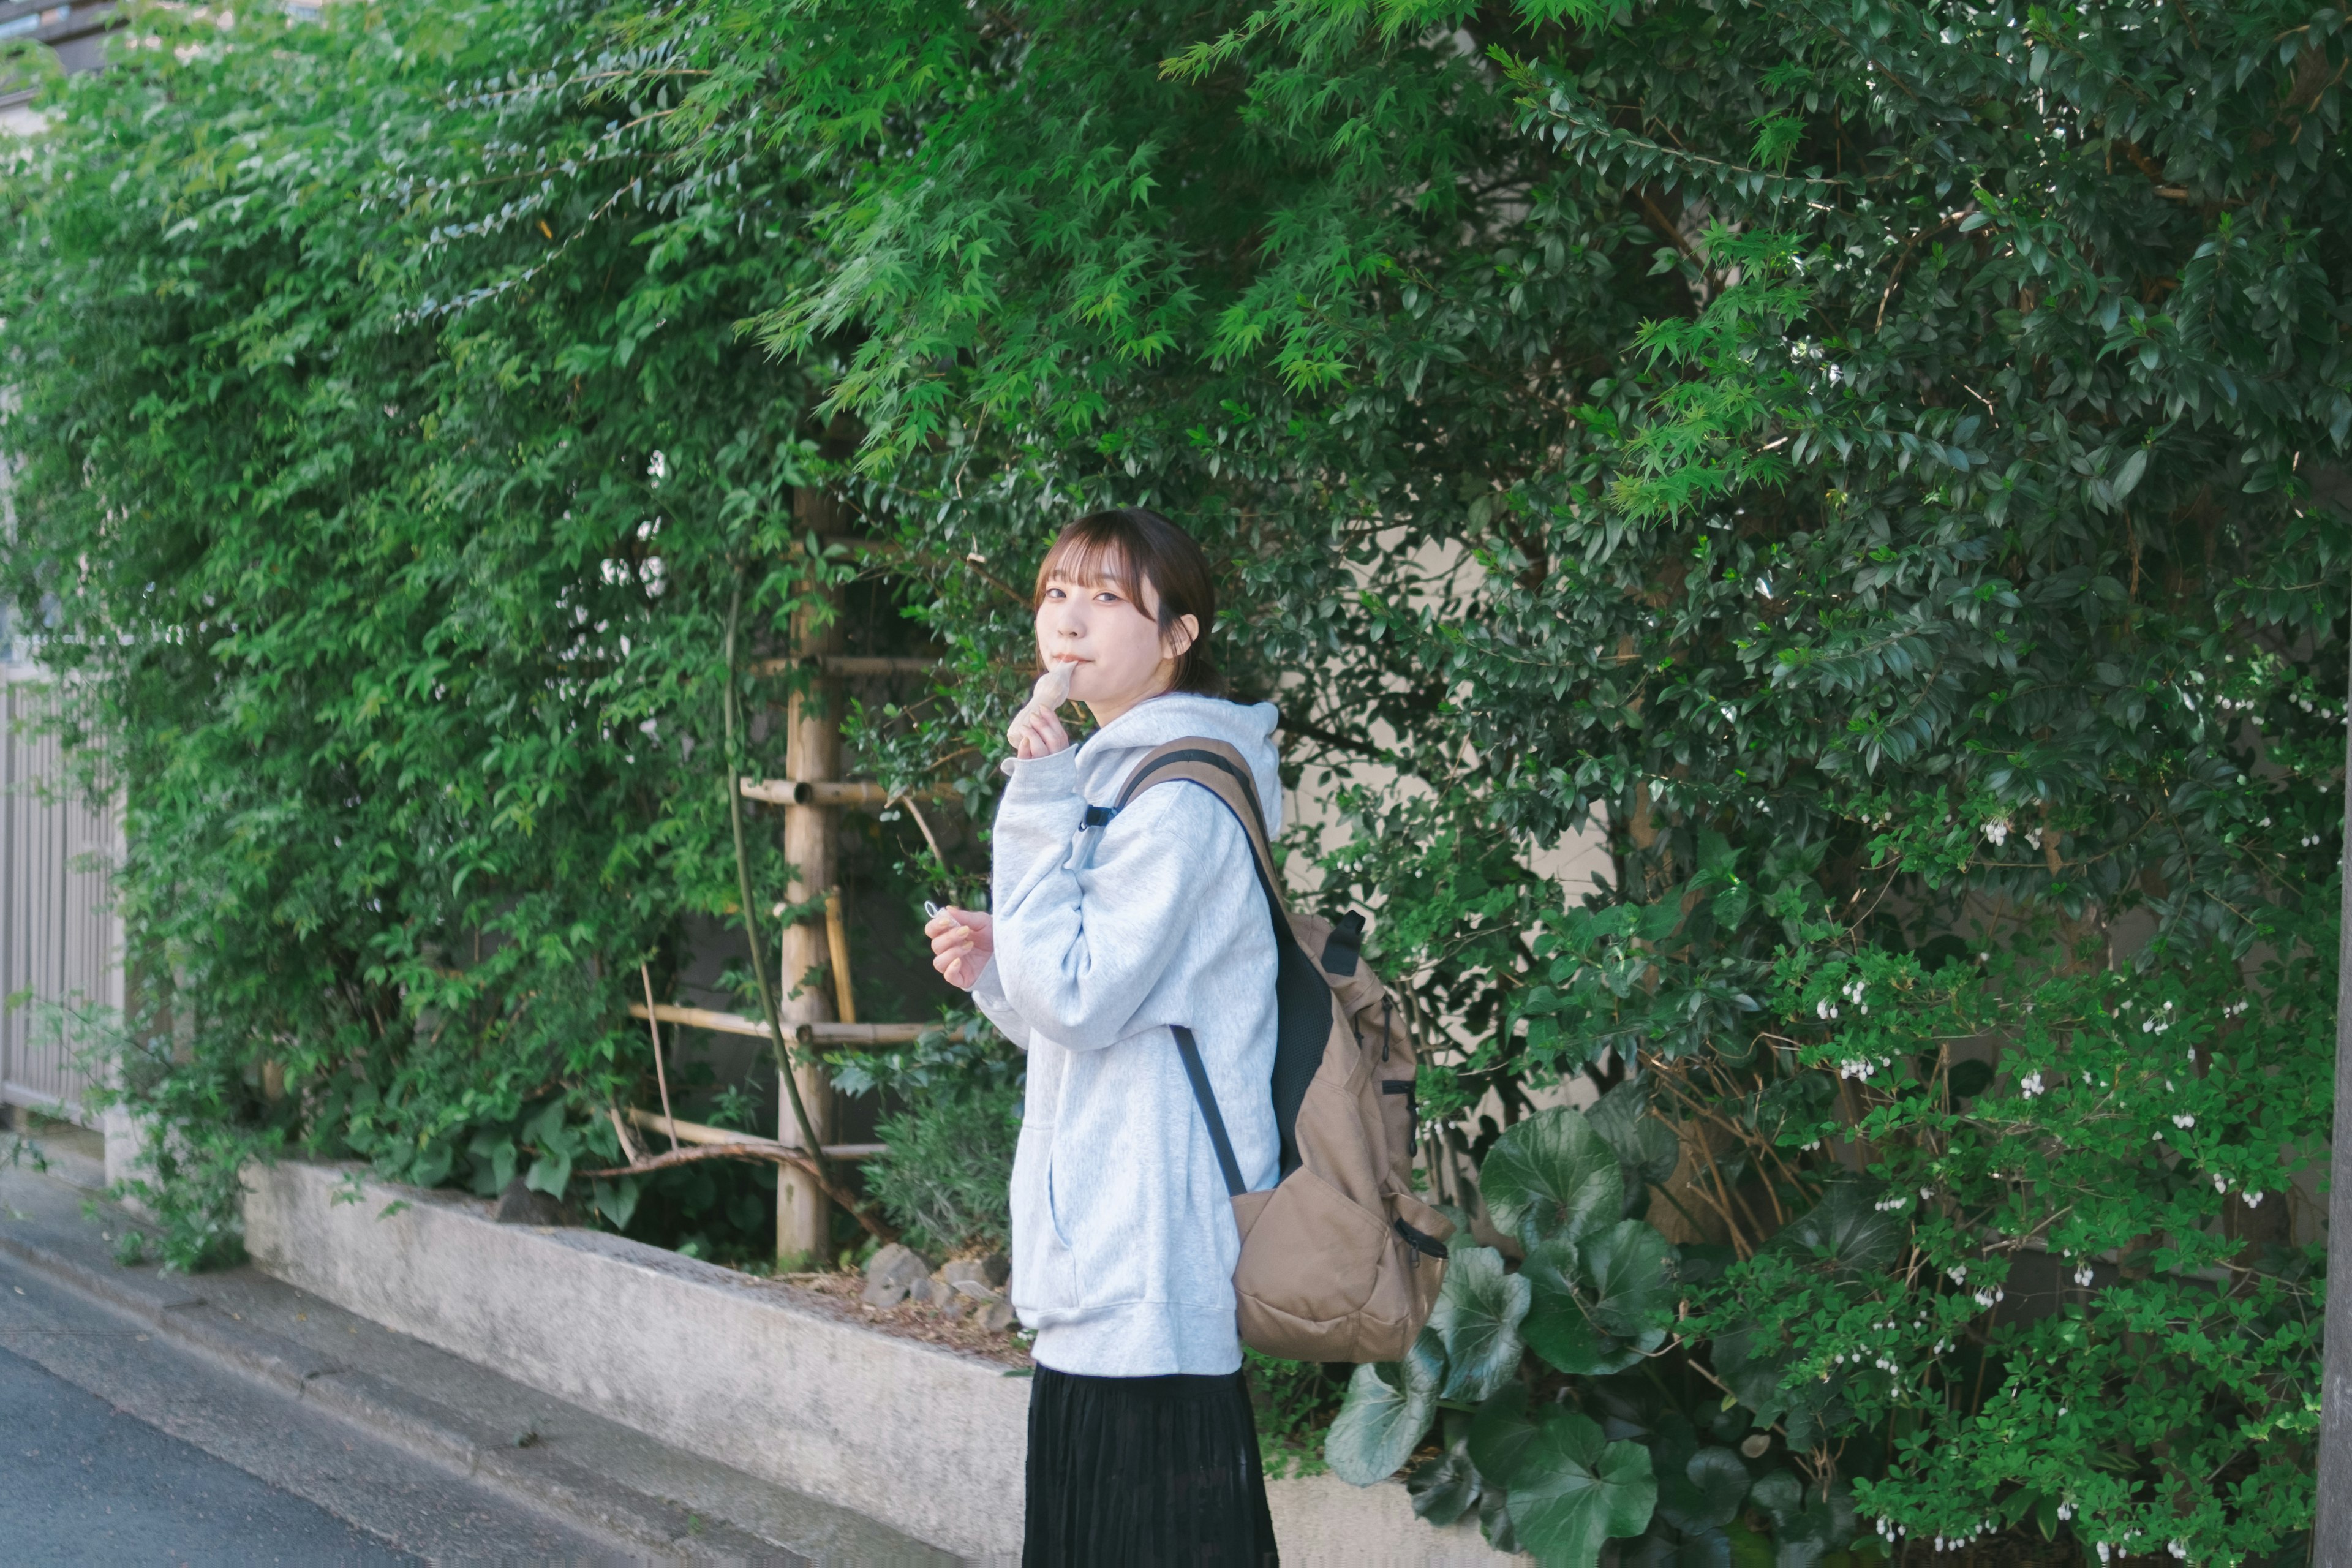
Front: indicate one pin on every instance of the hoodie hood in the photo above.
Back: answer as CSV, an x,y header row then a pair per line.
x,y
1106,756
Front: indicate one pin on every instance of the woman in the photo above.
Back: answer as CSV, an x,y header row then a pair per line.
x,y
1142,1448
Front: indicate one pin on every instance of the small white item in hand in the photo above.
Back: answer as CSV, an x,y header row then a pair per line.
x,y
1052,690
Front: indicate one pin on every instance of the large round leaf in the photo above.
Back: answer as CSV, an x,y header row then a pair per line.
x,y
1560,1326
1476,1319
1646,1147
1706,1494
1848,1229
1500,1434
1550,1175
1572,1491
1443,1489
1629,1267
1382,1420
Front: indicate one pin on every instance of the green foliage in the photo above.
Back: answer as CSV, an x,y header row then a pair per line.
x,y
945,1179
1880,467
1595,1297
1295,1401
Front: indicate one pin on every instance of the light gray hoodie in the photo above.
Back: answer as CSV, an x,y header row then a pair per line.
x,y
1123,1235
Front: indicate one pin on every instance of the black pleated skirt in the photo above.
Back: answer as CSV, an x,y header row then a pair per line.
x,y
1144,1470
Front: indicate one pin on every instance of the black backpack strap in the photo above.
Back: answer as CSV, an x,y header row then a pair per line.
x,y
1302,998
1189,1049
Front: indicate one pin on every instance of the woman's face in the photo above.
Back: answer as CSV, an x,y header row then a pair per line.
x,y
1110,644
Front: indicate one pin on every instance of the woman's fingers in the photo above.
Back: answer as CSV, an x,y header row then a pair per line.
x,y
1036,732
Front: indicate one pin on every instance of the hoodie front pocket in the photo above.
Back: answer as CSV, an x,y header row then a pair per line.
x,y
1052,1205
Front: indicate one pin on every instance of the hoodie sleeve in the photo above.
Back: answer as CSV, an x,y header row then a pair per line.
x,y
1078,947
988,995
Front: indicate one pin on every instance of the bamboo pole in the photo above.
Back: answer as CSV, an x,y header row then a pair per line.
x,y
851,664
696,1133
661,1073
857,795
812,1165
836,942
812,754
826,1034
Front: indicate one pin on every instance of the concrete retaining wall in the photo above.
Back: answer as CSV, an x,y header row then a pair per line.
x,y
926,1440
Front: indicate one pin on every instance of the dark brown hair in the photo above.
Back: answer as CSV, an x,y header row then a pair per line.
x,y
1130,546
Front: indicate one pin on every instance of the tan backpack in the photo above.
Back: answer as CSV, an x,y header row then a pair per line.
x,y
1340,1261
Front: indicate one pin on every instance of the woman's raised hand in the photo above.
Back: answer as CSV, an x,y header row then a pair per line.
x,y
1036,732
962,941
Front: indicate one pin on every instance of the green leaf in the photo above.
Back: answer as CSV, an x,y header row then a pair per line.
x,y
1645,1146
550,1174
1443,1488
1844,1229
546,1130
1780,1494
1500,1433
1572,1491
2127,477
1551,1175
1706,1494
1381,1421
617,1200
432,1162
1476,1319
1630,1268
1494,1520
1560,1326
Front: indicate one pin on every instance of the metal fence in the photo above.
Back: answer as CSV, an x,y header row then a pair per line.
x,y
60,945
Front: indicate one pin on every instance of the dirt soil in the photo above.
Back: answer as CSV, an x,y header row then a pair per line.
x,y
835,1294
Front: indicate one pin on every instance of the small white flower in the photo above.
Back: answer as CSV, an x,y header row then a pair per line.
x,y
2184,1121
1997,830
2253,1200
2221,1183
2065,1510
2081,1276
2031,1085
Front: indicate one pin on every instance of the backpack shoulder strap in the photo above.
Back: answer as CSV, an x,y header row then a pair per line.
x,y
1303,1002
1218,768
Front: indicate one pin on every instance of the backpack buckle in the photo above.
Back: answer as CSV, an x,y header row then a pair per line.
x,y
1345,947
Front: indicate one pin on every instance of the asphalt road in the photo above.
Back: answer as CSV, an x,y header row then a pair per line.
x,y
85,1483
118,1446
